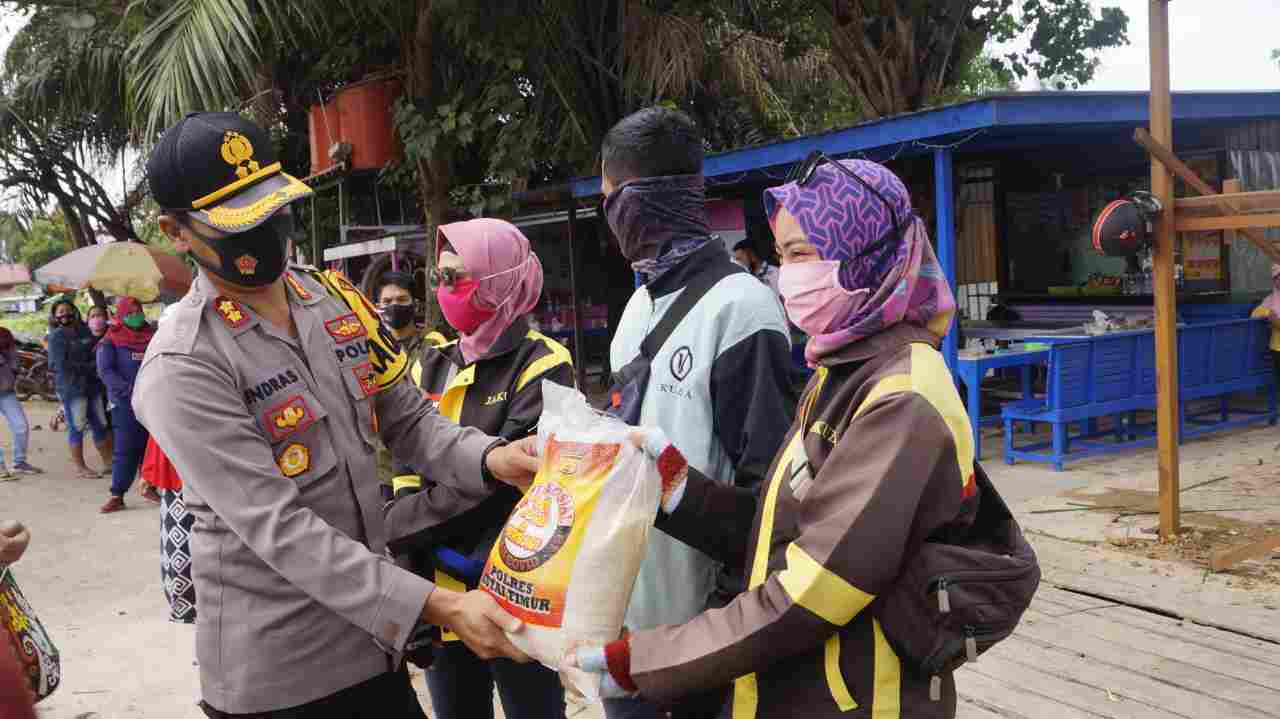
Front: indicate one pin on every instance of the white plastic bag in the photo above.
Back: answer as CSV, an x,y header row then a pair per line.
x,y
567,560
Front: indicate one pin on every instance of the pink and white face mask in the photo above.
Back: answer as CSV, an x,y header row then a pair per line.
x,y
813,296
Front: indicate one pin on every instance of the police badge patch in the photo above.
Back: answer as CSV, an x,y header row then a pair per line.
x,y
294,460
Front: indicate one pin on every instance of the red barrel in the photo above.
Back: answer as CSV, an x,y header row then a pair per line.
x,y
366,116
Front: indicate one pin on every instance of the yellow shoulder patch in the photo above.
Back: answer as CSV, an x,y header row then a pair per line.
x,y
931,379
556,356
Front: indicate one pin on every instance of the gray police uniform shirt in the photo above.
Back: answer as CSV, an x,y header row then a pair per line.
x,y
274,439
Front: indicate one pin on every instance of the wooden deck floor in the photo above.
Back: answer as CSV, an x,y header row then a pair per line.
x,y
1079,656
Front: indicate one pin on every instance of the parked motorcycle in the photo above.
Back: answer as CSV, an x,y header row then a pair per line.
x,y
33,376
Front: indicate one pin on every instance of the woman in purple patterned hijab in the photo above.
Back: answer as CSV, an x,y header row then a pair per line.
x,y
856,258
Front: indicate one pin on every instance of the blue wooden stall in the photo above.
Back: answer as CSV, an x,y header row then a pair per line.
x,y
1012,124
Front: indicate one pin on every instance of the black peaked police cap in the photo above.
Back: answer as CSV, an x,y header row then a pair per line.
x,y
223,170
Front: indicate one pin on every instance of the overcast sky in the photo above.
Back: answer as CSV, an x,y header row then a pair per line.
x,y
1214,45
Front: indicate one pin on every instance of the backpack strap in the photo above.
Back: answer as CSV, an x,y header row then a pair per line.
x,y
689,296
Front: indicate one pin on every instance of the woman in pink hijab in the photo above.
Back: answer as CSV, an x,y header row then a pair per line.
x,y
487,281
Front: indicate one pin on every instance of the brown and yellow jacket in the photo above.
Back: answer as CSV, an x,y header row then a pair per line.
x,y
500,395
879,460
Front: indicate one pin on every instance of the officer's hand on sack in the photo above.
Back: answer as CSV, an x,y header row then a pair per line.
x,y
672,465
14,539
477,620
515,463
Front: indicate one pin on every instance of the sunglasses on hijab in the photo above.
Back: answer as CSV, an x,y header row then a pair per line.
x,y
803,173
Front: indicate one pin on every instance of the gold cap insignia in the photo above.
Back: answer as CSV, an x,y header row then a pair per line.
x,y
238,151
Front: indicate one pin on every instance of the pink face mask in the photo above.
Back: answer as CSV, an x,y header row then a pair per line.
x,y
97,325
458,308
813,296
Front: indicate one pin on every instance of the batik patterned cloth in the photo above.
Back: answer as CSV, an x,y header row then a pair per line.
x,y
22,633
175,557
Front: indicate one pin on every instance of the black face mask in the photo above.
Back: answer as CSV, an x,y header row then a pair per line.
x,y
66,321
251,259
397,317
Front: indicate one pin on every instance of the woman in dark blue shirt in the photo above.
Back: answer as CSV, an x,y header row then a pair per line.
x,y
71,357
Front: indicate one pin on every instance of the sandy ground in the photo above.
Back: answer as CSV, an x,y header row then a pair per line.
x,y
95,580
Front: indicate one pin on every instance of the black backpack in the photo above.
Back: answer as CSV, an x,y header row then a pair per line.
x,y
956,599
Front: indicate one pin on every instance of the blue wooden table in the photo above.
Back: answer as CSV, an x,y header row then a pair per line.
x,y
972,369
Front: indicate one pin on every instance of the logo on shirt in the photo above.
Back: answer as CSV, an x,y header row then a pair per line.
x,y
288,417
495,399
345,328
682,363
825,431
294,460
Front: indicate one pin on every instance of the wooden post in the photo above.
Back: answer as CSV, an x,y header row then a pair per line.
x,y
579,353
1166,305
1228,236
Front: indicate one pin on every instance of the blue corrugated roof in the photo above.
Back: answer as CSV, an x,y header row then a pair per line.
x,y
1003,120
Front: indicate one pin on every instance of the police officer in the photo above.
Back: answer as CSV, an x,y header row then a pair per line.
x,y
268,387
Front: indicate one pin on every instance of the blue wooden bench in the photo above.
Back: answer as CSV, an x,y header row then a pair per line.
x,y
1114,376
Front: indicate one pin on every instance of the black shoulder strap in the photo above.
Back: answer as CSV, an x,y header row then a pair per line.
x,y
689,296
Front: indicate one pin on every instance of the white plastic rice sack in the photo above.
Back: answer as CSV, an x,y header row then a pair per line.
x,y
567,560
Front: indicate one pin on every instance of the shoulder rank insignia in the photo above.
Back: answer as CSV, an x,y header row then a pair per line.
x,y
345,328
294,460
302,292
233,313
365,376
288,417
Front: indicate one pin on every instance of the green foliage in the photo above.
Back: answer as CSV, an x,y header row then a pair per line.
x,y
30,326
903,55
46,241
203,54
982,76
1064,37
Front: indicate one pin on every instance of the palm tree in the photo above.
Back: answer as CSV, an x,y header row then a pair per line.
x,y
211,54
600,60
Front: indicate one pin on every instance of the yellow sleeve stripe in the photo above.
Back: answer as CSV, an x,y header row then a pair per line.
x,y
820,590
935,383
405,481
416,373
558,356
